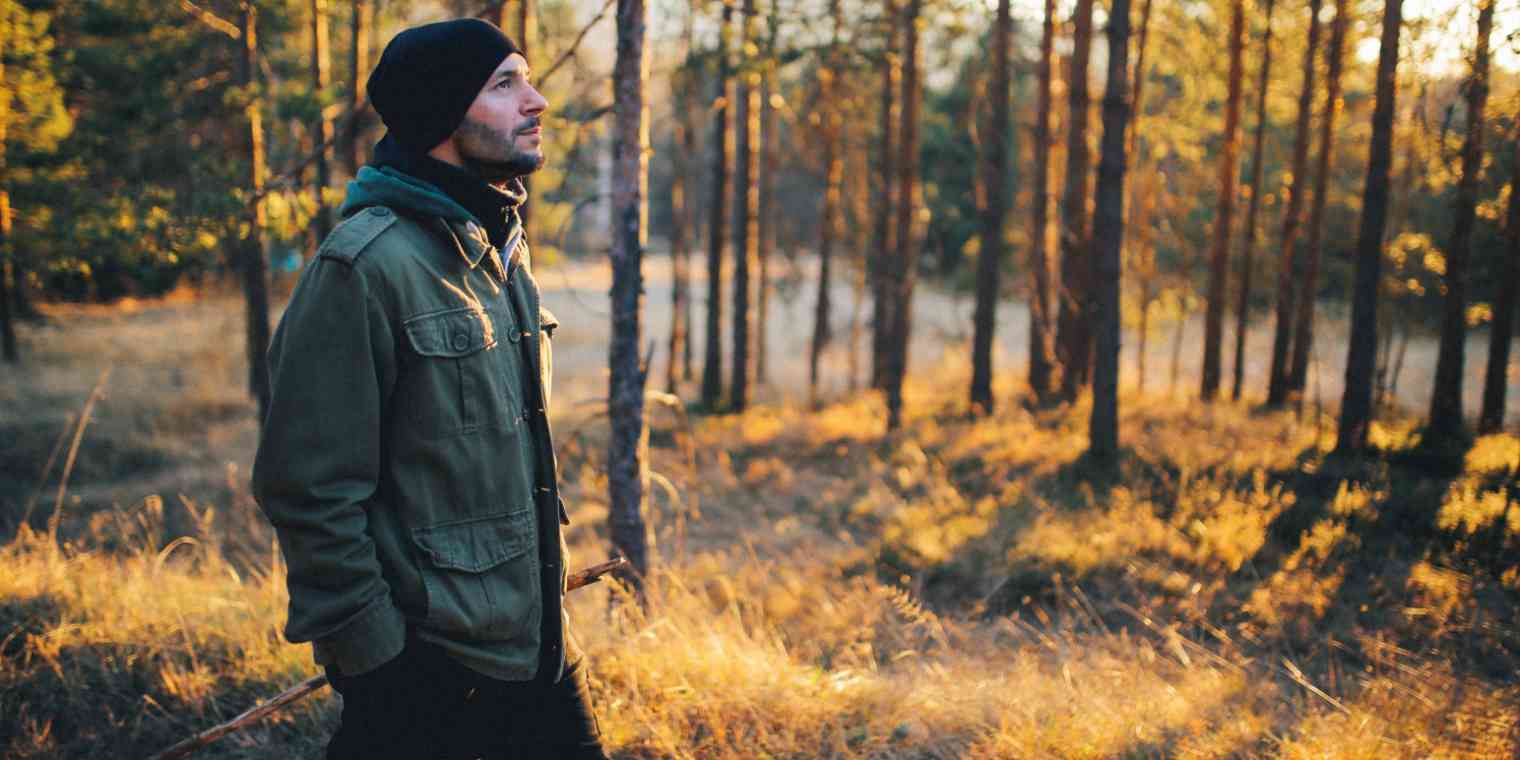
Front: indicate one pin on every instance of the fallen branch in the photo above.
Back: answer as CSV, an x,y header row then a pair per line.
x,y
303,689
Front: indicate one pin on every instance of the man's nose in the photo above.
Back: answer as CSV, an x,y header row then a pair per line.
x,y
535,103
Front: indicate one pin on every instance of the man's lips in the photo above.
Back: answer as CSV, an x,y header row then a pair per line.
x,y
531,131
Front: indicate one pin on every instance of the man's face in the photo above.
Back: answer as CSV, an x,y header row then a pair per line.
x,y
500,138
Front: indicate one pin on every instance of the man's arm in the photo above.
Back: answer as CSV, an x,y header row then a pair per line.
x,y
332,367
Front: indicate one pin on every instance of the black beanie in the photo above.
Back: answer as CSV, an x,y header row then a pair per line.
x,y
429,75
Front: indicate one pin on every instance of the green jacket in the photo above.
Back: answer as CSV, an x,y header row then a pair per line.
x,y
405,459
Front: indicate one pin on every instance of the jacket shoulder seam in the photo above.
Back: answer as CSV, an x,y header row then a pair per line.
x,y
354,235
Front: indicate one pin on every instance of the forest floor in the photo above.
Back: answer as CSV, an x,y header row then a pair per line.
x,y
962,588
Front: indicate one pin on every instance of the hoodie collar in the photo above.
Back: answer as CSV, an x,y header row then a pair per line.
x,y
494,208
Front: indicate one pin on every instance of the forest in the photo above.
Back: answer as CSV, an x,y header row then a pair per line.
x,y
959,378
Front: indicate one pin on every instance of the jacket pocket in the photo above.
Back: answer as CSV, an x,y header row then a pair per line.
x,y
460,381
481,576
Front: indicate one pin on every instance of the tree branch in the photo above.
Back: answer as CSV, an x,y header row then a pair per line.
x,y
212,20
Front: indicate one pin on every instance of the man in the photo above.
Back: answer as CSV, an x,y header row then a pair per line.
x,y
406,462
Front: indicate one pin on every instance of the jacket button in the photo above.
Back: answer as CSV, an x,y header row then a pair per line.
x,y
461,341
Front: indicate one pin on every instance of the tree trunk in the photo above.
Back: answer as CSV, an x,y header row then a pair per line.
x,y
1213,321
884,242
1491,419
1042,351
1446,421
360,25
1248,248
766,217
679,365
1277,383
1356,401
1303,337
833,163
712,366
1108,236
746,207
255,269
322,132
519,20
626,472
996,169
905,263
1074,337
7,267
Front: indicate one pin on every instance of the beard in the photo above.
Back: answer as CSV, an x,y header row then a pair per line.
x,y
492,154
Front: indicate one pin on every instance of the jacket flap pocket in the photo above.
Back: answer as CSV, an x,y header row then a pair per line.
x,y
451,334
477,544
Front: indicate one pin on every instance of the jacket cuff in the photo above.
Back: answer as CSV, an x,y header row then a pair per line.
x,y
376,636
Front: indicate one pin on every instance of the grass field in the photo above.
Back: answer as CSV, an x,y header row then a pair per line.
x,y
965,588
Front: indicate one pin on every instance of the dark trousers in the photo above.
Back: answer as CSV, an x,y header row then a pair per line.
x,y
425,706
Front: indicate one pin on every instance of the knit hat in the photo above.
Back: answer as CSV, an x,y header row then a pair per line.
x,y
429,75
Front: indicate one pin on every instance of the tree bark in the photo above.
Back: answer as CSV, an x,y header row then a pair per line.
x,y
521,18
905,263
1108,236
1042,351
884,242
679,365
1277,384
1491,418
766,216
321,83
1074,336
1213,321
746,208
833,170
255,269
7,267
360,25
712,366
1446,421
995,166
1303,337
1248,247
626,470
1356,401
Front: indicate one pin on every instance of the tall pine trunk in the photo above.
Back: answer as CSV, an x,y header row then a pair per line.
x,y
995,166
322,132
1446,421
255,269
1108,236
904,266
626,472
833,171
712,365
520,20
1219,260
1141,204
1074,336
884,242
1356,401
1491,418
360,25
1303,336
681,233
1042,349
1277,383
746,207
1248,246
7,327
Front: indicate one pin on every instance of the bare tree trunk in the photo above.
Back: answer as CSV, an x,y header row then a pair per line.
x,y
712,366
255,269
1178,331
995,167
1042,351
1491,419
1446,421
1303,338
1248,248
884,241
7,266
1108,236
321,83
625,470
360,25
685,82
1277,384
1356,402
905,264
523,24
767,218
746,208
1142,201
833,163
1213,320
1074,336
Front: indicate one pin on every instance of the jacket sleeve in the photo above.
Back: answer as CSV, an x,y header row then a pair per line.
x,y
332,367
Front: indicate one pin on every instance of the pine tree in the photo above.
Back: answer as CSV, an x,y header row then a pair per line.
x,y
1248,244
1213,323
1108,236
994,209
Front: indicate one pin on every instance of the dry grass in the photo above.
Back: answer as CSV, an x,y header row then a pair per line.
x,y
967,588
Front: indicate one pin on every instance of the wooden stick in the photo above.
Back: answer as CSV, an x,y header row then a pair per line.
x,y
301,690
